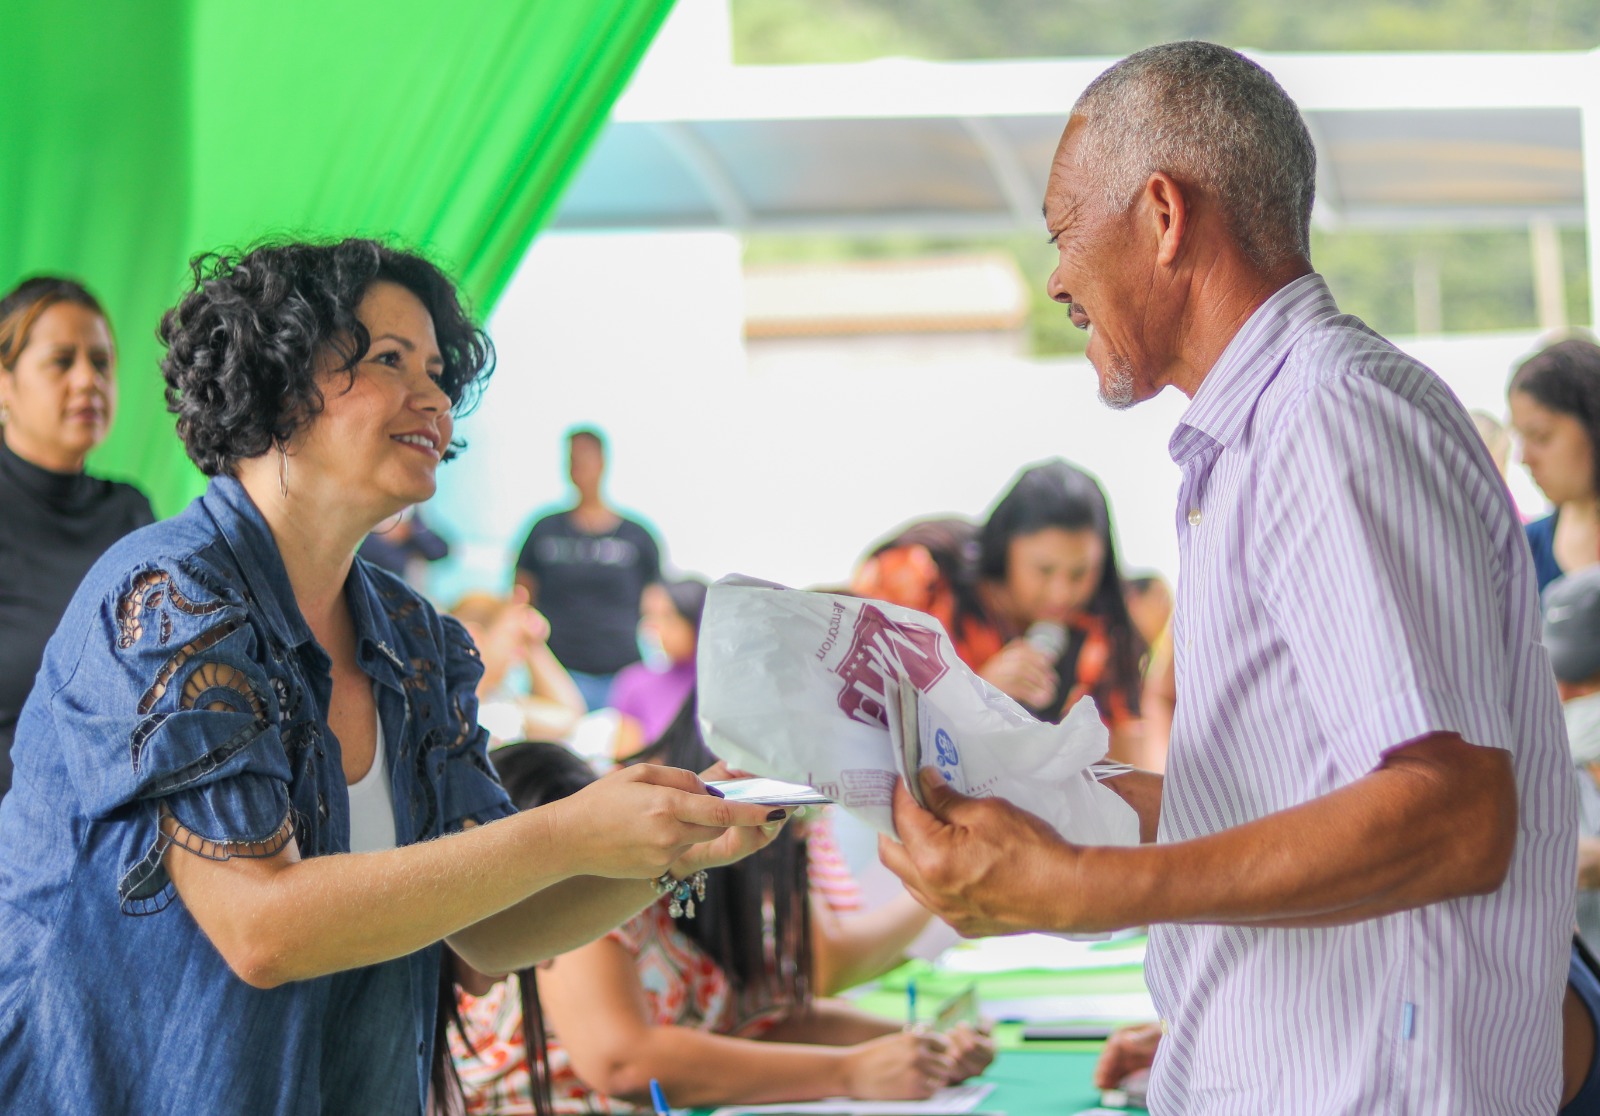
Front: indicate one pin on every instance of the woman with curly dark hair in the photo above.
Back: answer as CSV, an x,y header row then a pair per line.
x,y
252,798
58,393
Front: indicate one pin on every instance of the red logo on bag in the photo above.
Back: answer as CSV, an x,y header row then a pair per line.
x,y
879,642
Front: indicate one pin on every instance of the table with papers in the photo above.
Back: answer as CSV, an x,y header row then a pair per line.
x,y
1031,978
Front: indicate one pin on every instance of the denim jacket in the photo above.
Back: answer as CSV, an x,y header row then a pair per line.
x,y
184,678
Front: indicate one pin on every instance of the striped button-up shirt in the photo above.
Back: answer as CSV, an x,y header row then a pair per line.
x,y
1354,577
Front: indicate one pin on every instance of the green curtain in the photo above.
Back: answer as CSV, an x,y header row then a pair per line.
x,y
136,133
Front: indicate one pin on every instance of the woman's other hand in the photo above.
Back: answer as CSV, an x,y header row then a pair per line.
x,y
1022,671
971,1051
910,1065
638,821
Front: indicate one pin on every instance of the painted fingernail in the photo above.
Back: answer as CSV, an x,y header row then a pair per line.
x,y
777,815
714,791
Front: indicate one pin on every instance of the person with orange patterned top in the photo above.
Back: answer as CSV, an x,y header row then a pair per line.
x,y
720,1007
1033,600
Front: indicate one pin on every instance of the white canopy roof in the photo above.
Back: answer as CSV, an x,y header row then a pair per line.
x,y
1404,140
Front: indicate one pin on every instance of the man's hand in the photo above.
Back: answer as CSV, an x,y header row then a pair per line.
x,y
1435,821
983,865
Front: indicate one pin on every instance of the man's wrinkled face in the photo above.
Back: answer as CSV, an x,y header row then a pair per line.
x,y
1103,275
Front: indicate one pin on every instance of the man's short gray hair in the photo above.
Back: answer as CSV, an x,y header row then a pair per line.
x,y
1213,119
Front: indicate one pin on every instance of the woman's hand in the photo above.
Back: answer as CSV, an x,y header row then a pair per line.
x,y
735,844
910,1065
971,1051
1022,671
638,821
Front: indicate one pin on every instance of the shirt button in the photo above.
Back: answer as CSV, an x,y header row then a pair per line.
x,y
1194,517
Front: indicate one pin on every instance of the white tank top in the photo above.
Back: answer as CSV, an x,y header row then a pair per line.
x,y
372,804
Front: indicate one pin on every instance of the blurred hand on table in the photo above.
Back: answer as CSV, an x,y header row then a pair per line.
x,y
1128,1050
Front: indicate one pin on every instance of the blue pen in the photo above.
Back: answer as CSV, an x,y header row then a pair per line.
x,y
911,1003
658,1099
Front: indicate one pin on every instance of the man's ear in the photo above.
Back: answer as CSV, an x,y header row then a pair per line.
x,y
1167,207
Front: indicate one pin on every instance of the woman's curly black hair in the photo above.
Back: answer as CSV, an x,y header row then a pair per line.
x,y
243,344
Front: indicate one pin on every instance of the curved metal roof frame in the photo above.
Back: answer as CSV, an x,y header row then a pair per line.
x,y
1404,140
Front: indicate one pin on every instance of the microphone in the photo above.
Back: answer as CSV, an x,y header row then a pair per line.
x,y
1048,637
1051,639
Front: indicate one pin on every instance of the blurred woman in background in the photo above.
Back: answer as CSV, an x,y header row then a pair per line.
x,y
1033,599
1555,408
650,693
58,394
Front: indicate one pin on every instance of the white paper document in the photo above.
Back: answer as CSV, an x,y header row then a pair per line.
x,y
1040,951
1109,1007
846,695
952,1100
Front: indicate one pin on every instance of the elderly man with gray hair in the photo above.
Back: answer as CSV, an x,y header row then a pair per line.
x,y
1358,869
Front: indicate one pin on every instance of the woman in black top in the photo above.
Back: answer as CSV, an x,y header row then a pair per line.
x,y
57,394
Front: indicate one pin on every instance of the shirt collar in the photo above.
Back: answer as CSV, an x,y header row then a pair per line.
x,y
241,524
1222,406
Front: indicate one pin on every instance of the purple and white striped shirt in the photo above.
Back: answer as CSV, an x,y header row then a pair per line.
x,y
1353,578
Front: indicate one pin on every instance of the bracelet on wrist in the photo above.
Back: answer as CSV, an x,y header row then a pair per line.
x,y
685,892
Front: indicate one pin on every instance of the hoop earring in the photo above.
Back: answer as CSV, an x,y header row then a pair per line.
x,y
283,471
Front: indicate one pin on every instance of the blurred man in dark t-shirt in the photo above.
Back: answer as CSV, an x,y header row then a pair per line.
x,y
585,569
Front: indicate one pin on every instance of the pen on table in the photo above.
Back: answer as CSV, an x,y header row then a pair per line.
x,y
911,1003
658,1099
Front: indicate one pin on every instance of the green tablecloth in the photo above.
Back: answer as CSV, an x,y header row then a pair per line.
x,y
1045,1082
888,997
1030,1078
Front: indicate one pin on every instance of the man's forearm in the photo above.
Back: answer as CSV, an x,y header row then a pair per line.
x,y
1436,821
560,918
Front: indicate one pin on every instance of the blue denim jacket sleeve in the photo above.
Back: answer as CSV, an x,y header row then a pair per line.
x,y
169,708
471,787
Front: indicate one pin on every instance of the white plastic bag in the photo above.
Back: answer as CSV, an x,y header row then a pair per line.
x,y
794,685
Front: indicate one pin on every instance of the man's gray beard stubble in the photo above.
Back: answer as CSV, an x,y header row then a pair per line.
x,y
1116,385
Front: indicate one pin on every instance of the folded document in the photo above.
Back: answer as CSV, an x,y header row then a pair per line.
x,y
848,695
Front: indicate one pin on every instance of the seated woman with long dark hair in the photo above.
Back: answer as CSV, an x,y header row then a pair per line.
x,y
251,794
1033,600
719,1007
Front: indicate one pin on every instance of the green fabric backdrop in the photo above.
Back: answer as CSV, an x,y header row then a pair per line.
x,y
136,133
